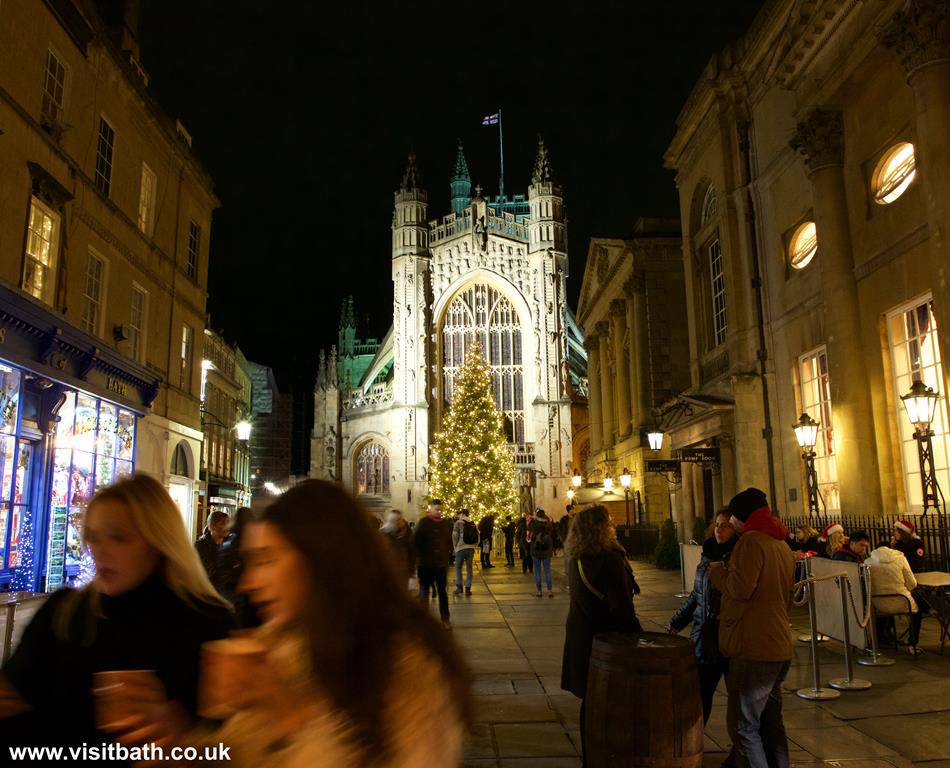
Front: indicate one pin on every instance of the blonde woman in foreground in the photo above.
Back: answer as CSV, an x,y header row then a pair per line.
x,y
149,608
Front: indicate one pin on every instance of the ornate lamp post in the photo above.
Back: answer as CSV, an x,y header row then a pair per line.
x,y
608,484
806,432
655,438
577,479
625,481
920,404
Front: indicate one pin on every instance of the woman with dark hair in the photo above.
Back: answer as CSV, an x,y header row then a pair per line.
x,y
701,609
602,584
355,671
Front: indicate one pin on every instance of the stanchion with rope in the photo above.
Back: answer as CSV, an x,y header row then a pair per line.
x,y
849,682
874,657
806,637
816,692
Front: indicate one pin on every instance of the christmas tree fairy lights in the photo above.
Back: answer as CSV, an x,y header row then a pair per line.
x,y
471,465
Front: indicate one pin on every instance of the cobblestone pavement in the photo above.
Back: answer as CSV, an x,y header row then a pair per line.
x,y
514,640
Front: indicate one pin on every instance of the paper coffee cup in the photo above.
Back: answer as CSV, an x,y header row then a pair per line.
x,y
224,665
110,690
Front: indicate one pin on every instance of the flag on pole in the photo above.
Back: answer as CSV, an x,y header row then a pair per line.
x,y
490,119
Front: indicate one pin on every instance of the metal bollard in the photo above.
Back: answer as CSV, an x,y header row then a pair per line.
x,y
816,692
848,683
806,637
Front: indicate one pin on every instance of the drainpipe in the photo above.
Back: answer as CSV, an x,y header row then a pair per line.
x,y
762,353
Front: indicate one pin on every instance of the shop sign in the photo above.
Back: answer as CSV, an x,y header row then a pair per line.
x,y
662,465
699,455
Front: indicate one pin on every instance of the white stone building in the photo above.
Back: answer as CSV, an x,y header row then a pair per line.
x,y
492,267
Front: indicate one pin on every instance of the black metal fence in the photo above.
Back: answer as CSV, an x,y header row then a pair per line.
x,y
930,528
638,540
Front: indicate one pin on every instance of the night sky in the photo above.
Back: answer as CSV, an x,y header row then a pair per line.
x,y
304,113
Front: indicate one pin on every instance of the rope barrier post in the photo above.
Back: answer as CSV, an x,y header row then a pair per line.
x,y
816,692
874,657
683,591
849,682
806,637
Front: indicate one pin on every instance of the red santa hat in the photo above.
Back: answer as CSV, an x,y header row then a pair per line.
x,y
907,526
830,529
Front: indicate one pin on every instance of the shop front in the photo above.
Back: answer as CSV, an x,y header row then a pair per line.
x,y
68,419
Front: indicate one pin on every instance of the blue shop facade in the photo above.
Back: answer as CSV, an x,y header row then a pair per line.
x,y
69,411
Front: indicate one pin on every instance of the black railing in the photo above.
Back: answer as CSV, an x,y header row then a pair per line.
x,y
638,540
932,532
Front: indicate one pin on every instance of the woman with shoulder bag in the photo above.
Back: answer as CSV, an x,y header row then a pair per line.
x,y
702,609
602,586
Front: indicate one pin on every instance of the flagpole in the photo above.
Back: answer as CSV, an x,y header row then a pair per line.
x,y
501,150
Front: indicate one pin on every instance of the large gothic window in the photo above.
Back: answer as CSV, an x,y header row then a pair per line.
x,y
483,310
372,470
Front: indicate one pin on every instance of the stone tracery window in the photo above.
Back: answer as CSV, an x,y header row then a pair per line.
x,y
485,311
372,470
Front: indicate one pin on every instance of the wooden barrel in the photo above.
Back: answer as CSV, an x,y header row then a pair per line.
x,y
643,706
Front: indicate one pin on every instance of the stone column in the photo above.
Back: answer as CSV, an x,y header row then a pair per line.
x,y
641,381
686,512
920,36
820,138
618,322
594,415
606,384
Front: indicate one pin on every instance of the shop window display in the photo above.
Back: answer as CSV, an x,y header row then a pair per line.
x,y
94,446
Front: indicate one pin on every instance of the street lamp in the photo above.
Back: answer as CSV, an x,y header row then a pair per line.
x,y
625,481
806,432
608,483
655,438
921,404
576,479
570,497
243,428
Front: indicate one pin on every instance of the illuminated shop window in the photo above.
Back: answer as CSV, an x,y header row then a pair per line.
x,y
894,173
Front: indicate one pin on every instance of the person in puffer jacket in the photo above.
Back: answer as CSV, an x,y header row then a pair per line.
x,y
702,609
891,575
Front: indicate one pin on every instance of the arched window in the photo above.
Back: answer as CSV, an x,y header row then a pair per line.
x,y
372,470
710,207
180,461
483,310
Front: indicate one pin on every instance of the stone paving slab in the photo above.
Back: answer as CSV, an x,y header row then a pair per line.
x,y
920,738
838,743
533,740
514,709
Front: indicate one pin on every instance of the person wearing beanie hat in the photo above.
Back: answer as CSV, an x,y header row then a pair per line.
x,y
756,586
905,540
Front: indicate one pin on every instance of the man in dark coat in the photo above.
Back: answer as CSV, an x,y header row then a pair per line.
x,y
433,538
219,522
486,529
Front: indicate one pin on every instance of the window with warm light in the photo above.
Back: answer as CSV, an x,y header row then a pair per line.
x,y
372,470
894,173
803,245
42,248
815,390
485,311
915,356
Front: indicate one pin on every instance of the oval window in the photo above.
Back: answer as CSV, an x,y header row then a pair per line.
x,y
803,246
894,173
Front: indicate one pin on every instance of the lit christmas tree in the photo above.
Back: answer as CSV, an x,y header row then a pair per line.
x,y
471,466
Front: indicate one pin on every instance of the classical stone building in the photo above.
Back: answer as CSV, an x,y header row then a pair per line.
x,y
225,403
495,268
813,167
104,230
633,313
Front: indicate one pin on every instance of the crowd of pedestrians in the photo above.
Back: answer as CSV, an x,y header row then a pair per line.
x,y
271,635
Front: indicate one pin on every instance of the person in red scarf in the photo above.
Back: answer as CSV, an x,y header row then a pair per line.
x,y
756,586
